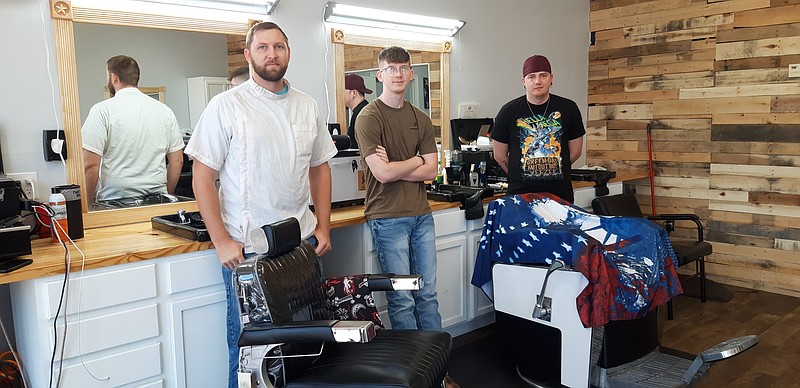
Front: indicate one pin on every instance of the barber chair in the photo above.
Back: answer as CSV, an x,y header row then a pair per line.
x,y
687,251
546,319
292,337
549,346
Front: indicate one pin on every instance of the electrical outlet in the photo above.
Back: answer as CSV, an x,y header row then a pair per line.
x,y
52,142
794,70
29,183
468,111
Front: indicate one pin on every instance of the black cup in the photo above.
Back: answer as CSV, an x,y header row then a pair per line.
x,y
72,193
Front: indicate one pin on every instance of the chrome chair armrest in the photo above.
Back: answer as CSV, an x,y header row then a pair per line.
x,y
392,282
308,331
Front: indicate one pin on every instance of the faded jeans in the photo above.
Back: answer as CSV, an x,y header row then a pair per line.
x,y
405,245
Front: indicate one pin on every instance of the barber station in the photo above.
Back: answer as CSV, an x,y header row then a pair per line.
x,y
416,194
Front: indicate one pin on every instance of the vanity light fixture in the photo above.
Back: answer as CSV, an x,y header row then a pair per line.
x,y
389,20
248,6
203,9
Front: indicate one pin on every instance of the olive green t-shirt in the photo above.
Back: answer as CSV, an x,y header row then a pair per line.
x,y
404,132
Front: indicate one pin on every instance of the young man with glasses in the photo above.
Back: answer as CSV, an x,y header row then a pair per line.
x,y
538,136
397,143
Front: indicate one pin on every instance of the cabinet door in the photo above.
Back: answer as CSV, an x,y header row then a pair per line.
x,y
201,90
480,304
200,351
451,255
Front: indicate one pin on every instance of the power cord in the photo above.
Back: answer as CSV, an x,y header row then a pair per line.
x,y
64,301
325,65
52,84
15,364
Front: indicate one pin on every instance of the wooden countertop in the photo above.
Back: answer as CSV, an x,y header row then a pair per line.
x,y
130,243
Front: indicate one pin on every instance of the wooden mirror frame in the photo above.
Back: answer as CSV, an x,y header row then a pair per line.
x,y
63,15
339,39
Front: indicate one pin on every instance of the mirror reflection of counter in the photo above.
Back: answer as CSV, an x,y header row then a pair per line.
x,y
144,200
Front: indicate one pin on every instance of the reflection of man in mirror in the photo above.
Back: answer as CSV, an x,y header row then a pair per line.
x,y
354,100
239,76
128,138
269,147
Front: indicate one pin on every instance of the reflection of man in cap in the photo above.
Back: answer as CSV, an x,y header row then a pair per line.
x,y
355,101
538,136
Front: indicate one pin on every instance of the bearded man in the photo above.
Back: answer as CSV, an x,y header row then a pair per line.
x,y
268,146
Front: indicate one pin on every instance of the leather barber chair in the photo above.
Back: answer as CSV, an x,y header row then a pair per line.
x,y
687,251
292,337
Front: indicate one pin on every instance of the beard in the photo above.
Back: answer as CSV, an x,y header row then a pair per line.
x,y
271,75
111,88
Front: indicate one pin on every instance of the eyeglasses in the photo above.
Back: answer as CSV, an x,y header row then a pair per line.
x,y
393,71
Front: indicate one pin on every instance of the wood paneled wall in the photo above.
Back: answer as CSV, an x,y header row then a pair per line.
x,y
712,78
236,52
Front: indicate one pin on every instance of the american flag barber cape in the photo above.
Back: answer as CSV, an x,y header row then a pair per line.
x,y
628,261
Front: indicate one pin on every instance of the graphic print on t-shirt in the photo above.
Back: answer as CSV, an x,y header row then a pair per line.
x,y
540,146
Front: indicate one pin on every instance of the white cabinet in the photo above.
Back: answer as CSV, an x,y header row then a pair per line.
x,y
451,266
201,89
155,323
451,274
480,304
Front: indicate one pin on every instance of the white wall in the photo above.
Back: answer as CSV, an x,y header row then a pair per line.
x,y
486,61
29,101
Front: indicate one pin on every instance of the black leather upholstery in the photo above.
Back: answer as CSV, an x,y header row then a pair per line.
x,y
687,251
282,236
624,205
395,358
292,286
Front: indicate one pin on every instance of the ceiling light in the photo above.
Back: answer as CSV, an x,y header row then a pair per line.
x,y
399,21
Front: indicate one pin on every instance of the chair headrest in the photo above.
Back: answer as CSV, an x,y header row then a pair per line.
x,y
282,236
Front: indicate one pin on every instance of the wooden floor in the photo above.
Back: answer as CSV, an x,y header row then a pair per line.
x,y
773,362
476,360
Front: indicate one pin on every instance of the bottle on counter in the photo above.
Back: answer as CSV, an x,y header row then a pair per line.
x,y
59,222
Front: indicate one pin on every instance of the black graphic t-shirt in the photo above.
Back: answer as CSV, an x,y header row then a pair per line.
x,y
538,144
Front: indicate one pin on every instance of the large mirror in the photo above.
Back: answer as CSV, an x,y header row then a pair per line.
x,y
86,38
354,53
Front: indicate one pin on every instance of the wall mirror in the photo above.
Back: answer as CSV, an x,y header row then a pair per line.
x,y
77,99
354,53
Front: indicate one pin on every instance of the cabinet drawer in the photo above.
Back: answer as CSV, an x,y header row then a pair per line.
x,y
449,221
109,288
109,331
120,368
194,272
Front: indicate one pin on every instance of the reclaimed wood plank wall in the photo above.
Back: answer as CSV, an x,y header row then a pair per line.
x,y
712,78
236,52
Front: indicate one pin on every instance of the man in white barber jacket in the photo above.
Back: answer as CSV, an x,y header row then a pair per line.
x,y
269,147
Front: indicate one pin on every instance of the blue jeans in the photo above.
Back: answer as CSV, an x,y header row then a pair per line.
x,y
405,245
233,324
234,327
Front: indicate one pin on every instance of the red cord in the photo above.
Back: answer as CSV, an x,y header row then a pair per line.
x,y
650,160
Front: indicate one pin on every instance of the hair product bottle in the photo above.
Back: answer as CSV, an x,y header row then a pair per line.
x,y
60,227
